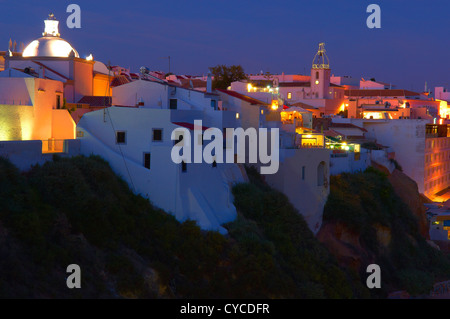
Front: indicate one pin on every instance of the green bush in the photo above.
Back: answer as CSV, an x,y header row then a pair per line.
x,y
366,200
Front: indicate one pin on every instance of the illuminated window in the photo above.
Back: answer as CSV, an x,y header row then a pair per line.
x,y
289,95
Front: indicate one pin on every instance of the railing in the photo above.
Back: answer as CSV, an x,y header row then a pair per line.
x,y
15,102
53,146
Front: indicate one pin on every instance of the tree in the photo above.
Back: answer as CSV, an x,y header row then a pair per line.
x,y
224,75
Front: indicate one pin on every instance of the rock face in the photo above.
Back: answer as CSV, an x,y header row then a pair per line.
x,y
343,243
346,245
375,217
407,190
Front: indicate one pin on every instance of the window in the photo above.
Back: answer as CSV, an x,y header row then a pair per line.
x,y
121,137
289,96
147,160
157,135
178,138
173,104
58,101
183,167
317,75
213,104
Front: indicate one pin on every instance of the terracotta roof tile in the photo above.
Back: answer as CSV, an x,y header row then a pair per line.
x,y
96,100
243,97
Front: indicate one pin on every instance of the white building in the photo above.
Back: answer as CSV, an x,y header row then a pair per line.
x,y
136,141
303,174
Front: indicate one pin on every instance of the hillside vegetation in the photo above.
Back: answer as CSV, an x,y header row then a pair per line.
x,y
76,211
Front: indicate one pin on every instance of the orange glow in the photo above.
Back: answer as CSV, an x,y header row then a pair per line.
x,y
274,105
444,110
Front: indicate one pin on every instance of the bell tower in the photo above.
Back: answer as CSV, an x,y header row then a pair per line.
x,y
51,26
320,74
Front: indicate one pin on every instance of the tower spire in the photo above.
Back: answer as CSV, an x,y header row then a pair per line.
x,y
320,59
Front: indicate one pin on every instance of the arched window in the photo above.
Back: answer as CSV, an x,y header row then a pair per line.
x,y
321,176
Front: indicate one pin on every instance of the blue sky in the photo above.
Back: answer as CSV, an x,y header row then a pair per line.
x,y
412,46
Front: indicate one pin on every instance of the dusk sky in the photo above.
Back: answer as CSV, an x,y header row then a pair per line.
x,y
412,46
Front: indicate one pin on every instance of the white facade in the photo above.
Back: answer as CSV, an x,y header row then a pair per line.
x,y
406,137
304,178
441,93
201,192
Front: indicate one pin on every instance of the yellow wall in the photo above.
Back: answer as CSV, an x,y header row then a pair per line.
x,y
16,122
83,75
101,85
63,126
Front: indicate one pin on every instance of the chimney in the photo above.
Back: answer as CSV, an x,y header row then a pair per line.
x,y
209,83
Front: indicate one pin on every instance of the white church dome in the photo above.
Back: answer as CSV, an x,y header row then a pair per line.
x,y
50,45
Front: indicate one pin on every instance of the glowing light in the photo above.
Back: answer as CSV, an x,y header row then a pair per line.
x,y
51,27
249,87
444,110
89,57
274,105
237,115
51,44
317,82
308,136
373,115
